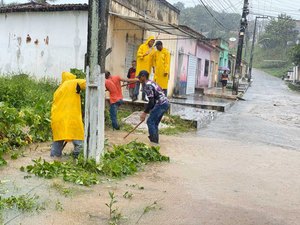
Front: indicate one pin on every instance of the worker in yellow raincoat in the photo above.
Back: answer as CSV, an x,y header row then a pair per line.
x,y
161,63
66,117
144,61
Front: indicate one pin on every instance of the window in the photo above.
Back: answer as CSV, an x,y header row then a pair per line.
x,y
206,68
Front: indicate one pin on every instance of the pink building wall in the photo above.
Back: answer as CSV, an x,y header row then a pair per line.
x,y
203,53
184,49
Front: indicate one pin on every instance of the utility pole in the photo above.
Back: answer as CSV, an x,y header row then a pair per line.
x,y
252,47
95,80
246,49
244,23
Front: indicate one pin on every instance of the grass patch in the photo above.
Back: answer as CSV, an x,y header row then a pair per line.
x,y
177,125
121,160
61,189
294,87
24,112
24,203
122,113
276,72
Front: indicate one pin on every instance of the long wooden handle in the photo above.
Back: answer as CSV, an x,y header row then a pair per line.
x,y
133,129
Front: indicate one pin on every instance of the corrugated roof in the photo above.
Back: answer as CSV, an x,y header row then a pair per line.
x,y
37,7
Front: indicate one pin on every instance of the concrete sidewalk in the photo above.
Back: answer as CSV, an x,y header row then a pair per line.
x,y
216,92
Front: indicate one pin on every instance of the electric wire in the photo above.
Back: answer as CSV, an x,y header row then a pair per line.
x,y
215,19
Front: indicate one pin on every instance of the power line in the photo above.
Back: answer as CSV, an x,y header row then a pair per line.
x,y
210,13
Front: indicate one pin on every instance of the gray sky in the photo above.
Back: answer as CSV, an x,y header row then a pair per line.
x,y
261,7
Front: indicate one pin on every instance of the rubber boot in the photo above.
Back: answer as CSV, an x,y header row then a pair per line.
x,y
153,138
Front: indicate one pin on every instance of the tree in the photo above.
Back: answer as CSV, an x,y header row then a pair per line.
x,y
197,18
279,31
295,55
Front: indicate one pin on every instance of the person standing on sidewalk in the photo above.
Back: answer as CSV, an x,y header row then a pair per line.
x,y
157,106
224,80
161,61
144,61
66,116
131,75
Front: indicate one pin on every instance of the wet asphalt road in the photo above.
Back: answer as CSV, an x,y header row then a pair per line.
x,y
270,115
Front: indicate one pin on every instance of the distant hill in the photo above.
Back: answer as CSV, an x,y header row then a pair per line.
x,y
198,18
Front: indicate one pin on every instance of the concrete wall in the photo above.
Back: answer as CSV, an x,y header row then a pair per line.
x,y
215,62
42,43
62,43
203,53
224,54
160,10
294,75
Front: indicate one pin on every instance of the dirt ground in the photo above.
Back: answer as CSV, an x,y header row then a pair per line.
x,y
208,181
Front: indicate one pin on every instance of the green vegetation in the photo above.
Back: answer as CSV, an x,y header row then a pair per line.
x,y
294,87
59,206
24,203
24,112
128,195
177,125
114,215
274,45
276,72
61,189
122,113
25,105
197,18
148,208
295,55
120,161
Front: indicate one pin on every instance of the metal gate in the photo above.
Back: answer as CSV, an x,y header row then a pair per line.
x,y
130,55
191,77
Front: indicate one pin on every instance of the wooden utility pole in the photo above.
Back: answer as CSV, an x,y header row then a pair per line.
x,y
95,88
252,46
244,24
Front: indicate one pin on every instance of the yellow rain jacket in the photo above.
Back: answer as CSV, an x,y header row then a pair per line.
x,y
66,117
162,65
145,62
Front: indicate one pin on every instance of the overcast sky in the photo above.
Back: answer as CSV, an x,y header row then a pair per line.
x,y
261,7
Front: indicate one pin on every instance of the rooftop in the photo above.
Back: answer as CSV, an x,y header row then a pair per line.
x,y
42,7
46,7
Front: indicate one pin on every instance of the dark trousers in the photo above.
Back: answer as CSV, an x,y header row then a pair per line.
x,y
137,91
154,119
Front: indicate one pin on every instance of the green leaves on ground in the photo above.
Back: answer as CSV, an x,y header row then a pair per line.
x,y
127,159
122,160
25,203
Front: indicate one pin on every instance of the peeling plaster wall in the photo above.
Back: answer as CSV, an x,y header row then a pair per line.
x,y
42,43
153,8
